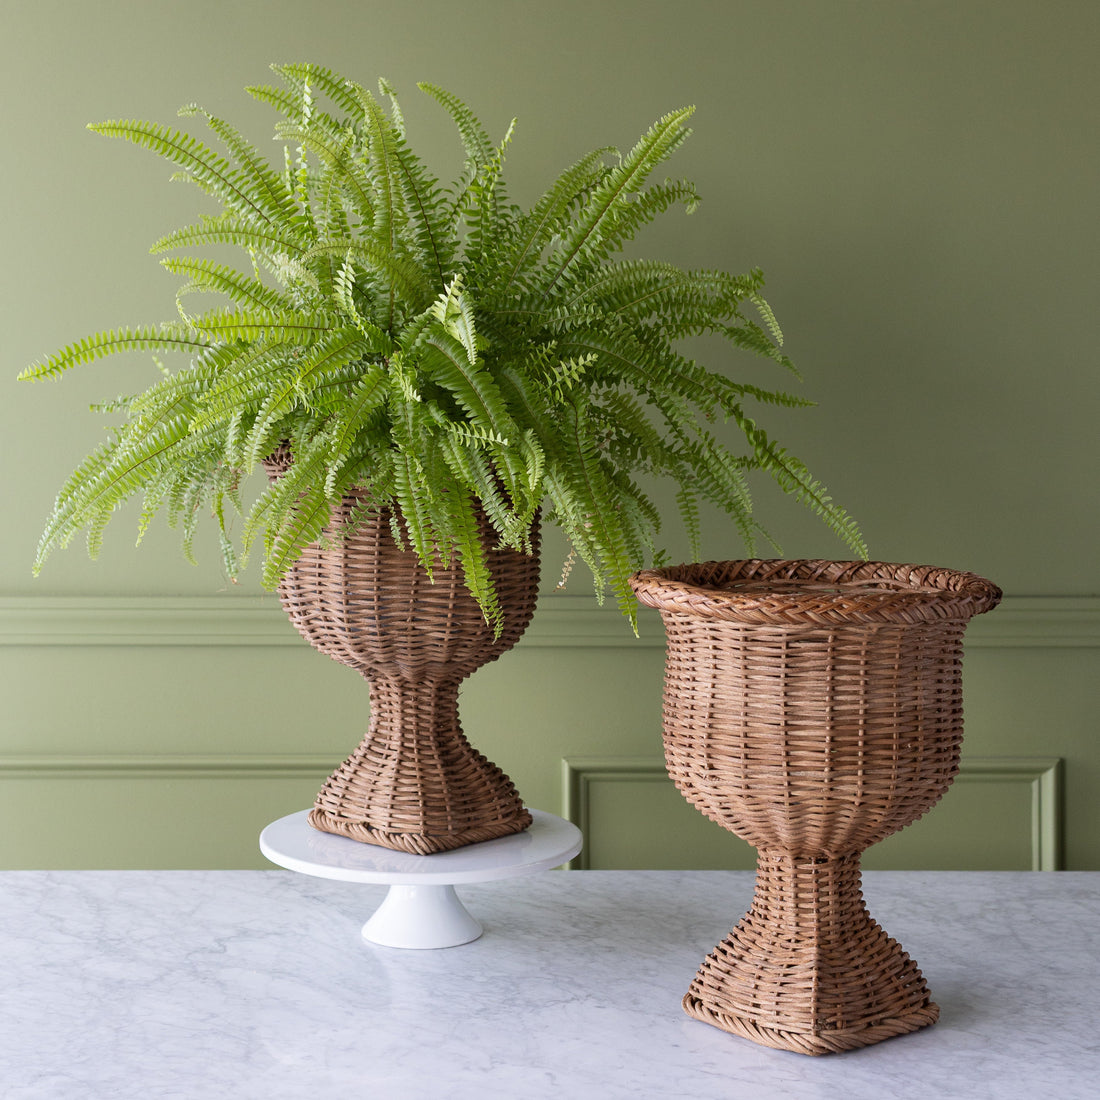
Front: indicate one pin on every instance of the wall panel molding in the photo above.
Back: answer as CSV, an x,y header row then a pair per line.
x,y
1038,621
165,766
1041,776
560,621
148,810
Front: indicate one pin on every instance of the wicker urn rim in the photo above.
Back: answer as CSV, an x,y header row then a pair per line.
x,y
804,591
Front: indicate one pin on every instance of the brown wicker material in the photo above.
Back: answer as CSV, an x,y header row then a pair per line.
x,y
812,708
414,783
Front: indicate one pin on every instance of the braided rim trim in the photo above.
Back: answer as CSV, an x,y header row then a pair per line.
x,y
800,591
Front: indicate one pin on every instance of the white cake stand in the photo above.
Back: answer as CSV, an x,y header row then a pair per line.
x,y
421,908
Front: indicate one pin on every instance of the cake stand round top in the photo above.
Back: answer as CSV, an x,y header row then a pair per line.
x,y
293,843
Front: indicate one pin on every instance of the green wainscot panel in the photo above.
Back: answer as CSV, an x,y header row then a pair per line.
x,y
1000,814
138,813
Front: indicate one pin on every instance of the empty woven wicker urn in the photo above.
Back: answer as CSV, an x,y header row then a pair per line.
x,y
415,783
812,708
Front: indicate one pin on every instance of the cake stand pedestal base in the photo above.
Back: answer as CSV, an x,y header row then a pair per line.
x,y
421,909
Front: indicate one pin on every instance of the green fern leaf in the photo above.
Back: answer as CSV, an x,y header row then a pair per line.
x,y
265,185
286,327
230,229
479,149
547,217
445,361
597,500
303,78
793,477
336,152
215,278
368,395
466,537
211,172
293,387
397,275
169,337
596,220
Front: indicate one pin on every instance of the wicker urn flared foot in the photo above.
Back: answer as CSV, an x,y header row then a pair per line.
x,y
808,969
813,708
415,783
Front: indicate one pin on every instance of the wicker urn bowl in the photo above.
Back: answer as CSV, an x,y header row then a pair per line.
x,y
813,708
415,783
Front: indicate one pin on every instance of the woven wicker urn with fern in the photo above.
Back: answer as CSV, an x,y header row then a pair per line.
x,y
436,362
813,708
415,783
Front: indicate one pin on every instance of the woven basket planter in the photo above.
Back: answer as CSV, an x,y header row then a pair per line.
x,y
812,708
415,783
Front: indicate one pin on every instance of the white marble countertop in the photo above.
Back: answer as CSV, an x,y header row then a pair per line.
x,y
255,984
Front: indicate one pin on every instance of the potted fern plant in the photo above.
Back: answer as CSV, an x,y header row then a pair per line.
x,y
426,373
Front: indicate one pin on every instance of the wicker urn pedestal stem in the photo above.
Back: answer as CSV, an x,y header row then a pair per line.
x,y
813,708
415,783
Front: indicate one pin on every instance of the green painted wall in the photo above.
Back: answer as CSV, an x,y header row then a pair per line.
x,y
917,179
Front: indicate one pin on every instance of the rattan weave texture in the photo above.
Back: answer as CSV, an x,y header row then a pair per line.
x,y
812,708
414,783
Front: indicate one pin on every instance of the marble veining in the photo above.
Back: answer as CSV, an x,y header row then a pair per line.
x,y
256,984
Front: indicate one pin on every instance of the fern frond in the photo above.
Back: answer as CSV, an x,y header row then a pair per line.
x,y
550,213
398,275
241,380
397,119
453,311
118,474
718,477
345,290
597,501
168,337
382,151
289,102
768,317
230,229
304,525
210,171
628,216
445,361
301,76
279,327
293,387
59,529
688,505
433,231
297,511
466,536
485,206
368,395
479,149
184,387
337,154
475,473
794,478
215,278
117,404
266,185
596,221
751,337
414,495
